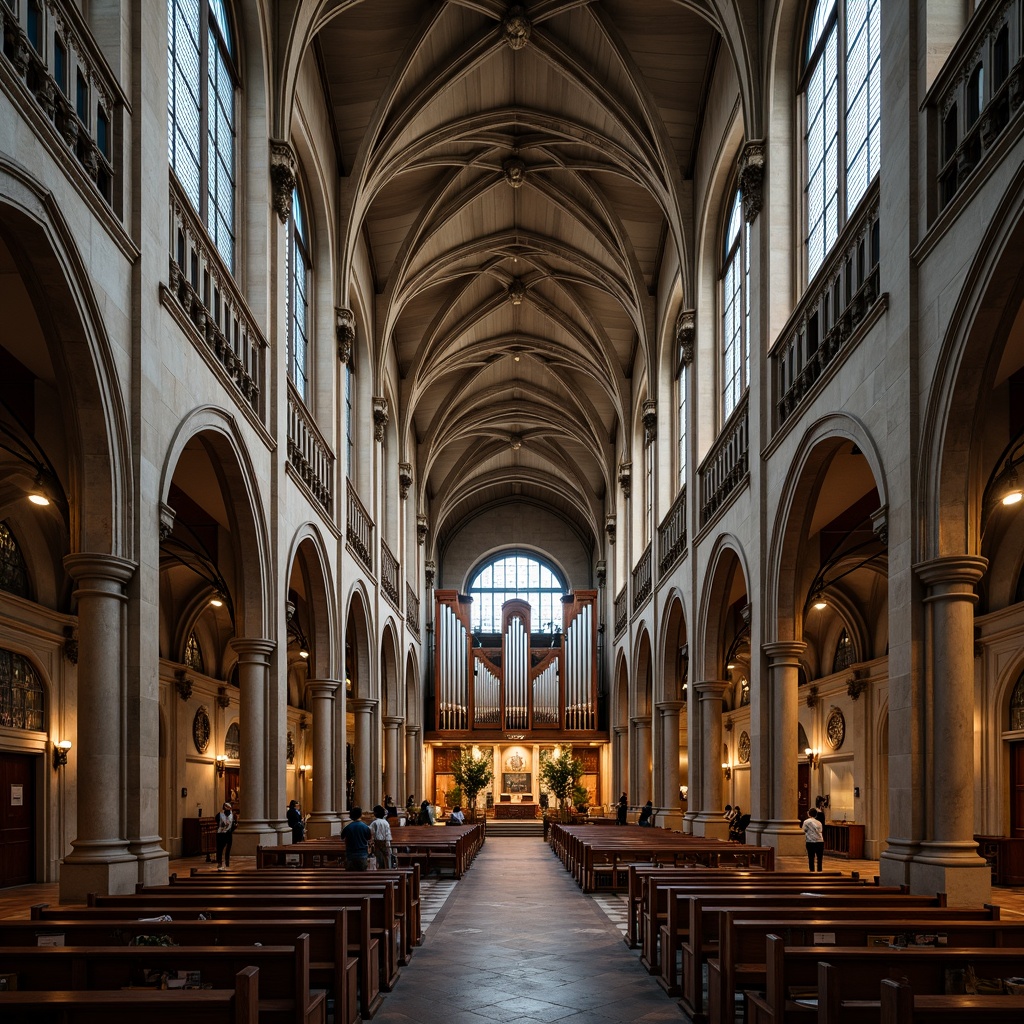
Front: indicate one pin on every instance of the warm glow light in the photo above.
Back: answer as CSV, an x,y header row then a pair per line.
x,y
820,603
39,499
731,665
1008,499
216,602
303,654
64,744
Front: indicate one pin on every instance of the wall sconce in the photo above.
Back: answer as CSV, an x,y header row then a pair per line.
x,y
813,756
303,769
726,771
221,761
60,753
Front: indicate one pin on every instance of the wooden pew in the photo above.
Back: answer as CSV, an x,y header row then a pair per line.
x,y
331,967
740,961
862,971
284,990
899,1005
362,944
206,1006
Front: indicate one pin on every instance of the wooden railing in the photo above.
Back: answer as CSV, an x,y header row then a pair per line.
x,y
73,87
823,328
642,578
358,527
672,535
412,609
308,452
726,465
978,91
621,610
390,573
213,304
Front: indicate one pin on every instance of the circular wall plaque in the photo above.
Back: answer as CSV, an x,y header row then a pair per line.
x,y
835,729
744,748
201,730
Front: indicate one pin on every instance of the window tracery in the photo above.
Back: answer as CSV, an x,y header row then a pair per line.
x,y
299,272
735,309
516,575
13,571
21,693
194,653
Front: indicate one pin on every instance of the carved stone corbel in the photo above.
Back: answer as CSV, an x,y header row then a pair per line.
x,y
516,26
609,527
167,517
429,568
752,179
686,324
625,476
514,170
880,524
650,421
516,292
602,573
404,478
345,332
421,529
70,645
282,177
183,684
380,416
812,696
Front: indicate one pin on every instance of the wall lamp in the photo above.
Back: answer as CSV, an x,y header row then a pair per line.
x,y
726,770
221,761
1004,485
303,769
813,756
60,753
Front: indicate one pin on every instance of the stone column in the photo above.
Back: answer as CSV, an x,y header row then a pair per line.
x,y
100,860
668,713
254,819
413,761
782,829
709,820
366,782
323,819
393,772
948,860
620,741
641,785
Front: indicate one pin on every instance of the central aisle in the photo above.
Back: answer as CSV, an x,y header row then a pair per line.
x,y
518,940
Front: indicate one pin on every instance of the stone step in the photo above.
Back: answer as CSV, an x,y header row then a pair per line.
x,y
497,829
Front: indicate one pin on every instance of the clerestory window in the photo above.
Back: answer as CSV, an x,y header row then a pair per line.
x,y
735,309
299,275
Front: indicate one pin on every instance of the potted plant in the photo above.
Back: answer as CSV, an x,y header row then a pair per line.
x,y
471,773
561,774
581,798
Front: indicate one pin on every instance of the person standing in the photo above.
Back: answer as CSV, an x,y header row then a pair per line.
x,y
226,822
620,810
357,841
380,829
815,840
295,822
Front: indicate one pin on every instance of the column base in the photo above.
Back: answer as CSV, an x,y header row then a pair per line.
x,y
109,878
671,820
711,826
323,827
252,834
895,861
153,860
688,819
787,838
952,868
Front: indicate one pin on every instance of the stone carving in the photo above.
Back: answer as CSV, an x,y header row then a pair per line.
x,y
752,179
516,26
602,573
70,645
380,416
650,421
167,516
625,476
421,529
516,292
609,527
429,569
685,329
515,171
183,684
345,332
404,478
282,177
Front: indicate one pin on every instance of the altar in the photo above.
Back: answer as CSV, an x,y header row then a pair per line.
x,y
509,811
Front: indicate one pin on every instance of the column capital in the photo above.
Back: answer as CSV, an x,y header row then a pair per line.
x,y
323,687
412,730
392,721
641,723
952,575
621,730
668,707
86,566
712,689
362,704
252,648
784,652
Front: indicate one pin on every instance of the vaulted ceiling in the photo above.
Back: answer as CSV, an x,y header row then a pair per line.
x,y
514,172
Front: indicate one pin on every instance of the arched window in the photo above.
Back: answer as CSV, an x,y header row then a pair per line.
x,y
735,309
1017,705
844,657
516,575
842,87
201,124
298,299
744,691
349,428
13,573
232,741
194,653
650,453
21,693
681,417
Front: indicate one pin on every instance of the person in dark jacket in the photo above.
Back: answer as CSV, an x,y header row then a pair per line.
x,y
295,822
357,841
620,812
646,815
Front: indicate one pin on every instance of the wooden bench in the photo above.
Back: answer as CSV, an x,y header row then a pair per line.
x,y
284,989
861,971
331,966
740,960
899,1005
362,944
206,1006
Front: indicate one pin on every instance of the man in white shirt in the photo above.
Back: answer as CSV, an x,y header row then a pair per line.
x,y
815,840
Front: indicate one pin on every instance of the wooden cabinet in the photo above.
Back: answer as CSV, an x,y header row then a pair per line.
x,y
1005,855
198,835
844,839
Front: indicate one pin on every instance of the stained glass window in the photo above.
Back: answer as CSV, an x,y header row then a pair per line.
x,y
516,575
844,653
298,300
13,573
735,309
231,742
21,693
194,653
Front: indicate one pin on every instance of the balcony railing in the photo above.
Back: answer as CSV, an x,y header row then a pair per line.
x,y
727,464
390,572
621,610
412,610
359,528
672,535
308,452
211,302
642,578
824,327
53,53
978,91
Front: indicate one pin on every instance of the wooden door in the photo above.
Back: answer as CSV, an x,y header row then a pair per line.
x,y
803,790
231,790
17,819
1017,790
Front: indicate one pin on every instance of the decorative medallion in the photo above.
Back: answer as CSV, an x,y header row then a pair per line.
x,y
201,729
744,748
515,763
835,729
